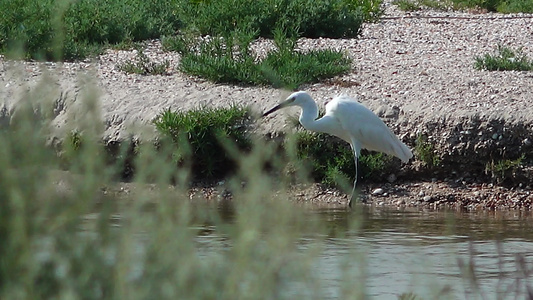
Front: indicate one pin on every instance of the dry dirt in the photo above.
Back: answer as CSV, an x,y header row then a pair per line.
x,y
415,70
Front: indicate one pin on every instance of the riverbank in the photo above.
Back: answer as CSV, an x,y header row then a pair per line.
x,y
414,70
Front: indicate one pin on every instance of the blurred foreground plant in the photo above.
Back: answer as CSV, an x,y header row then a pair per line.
x,y
75,233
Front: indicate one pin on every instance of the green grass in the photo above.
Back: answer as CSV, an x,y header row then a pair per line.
x,y
69,30
504,168
505,59
331,160
410,5
229,59
425,151
407,5
336,18
199,137
517,6
502,6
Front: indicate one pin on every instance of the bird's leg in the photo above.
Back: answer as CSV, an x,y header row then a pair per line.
x,y
356,160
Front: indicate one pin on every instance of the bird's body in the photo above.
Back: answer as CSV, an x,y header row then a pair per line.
x,y
350,121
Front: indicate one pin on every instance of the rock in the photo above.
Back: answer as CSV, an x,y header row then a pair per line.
x,y
427,198
377,192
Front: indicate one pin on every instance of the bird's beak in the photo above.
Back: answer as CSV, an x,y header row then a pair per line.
x,y
273,109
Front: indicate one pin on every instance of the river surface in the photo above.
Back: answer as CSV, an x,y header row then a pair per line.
x,y
400,251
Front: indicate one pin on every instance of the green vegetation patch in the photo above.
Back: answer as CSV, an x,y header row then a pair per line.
x,y
414,5
69,30
229,59
425,151
331,160
200,135
502,6
504,168
505,59
333,18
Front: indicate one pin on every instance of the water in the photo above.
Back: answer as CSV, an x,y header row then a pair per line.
x,y
414,251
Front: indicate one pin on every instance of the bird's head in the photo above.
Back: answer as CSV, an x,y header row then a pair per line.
x,y
295,99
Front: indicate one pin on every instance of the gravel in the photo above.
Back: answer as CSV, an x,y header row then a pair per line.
x,y
412,69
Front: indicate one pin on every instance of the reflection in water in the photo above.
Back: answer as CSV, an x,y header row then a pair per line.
x,y
402,251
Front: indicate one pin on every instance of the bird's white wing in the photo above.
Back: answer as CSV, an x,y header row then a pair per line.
x,y
361,124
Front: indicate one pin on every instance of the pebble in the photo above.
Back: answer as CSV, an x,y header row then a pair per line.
x,y
427,198
378,191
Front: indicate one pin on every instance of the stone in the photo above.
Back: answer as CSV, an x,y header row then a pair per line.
x,y
400,202
378,191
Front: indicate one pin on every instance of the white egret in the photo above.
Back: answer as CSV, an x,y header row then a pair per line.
x,y
350,121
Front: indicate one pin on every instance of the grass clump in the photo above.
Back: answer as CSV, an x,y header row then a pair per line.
x,y
426,152
331,160
229,59
143,65
516,6
69,30
410,5
505,59
199,137
335,19
407,5
504,168
219,59
502,6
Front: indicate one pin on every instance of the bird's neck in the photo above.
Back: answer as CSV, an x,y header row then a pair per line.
x,y
309,115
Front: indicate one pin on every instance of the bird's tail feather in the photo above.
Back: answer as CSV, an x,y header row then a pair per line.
x,y
402,151
398,149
